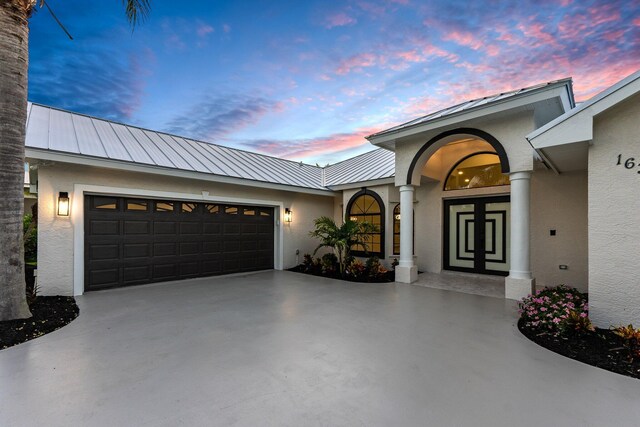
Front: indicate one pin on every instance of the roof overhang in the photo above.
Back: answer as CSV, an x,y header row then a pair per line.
x,y
35,155
546,102
564,141
360,184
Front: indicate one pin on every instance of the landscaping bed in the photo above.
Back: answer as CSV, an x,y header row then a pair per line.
x,y
557,319
49,313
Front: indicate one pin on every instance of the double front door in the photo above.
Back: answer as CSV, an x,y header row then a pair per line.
x,y
476,235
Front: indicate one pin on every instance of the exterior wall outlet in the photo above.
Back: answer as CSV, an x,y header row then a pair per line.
x,y
552,232
297,251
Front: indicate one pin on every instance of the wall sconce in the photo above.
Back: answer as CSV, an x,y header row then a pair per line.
x,y
288,215
63,203
353,218
397,216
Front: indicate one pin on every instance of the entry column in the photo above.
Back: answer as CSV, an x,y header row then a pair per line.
x,y
406,270
520,282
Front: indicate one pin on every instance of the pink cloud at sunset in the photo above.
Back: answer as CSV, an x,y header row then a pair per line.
x,y
339,20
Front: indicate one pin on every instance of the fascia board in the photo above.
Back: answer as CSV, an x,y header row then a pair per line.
x,y
39,154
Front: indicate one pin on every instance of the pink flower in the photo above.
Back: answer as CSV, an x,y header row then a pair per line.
x,y
583,315
556,320
543,308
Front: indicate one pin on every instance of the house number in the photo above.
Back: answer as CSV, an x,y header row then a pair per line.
x,y
629,163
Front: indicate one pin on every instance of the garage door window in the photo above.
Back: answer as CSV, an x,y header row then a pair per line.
x,y
188,207
212,209
231,210
107,203
137,205
164,207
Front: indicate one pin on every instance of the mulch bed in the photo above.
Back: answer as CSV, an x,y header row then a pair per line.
x,y
389,277
601,348
49,314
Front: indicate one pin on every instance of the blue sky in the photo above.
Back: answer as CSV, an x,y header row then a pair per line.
x,y
307,80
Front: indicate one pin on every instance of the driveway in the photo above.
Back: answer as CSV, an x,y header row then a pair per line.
x,y
281,348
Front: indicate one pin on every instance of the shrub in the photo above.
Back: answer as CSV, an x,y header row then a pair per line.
x,y
356,270
30,235
375,270
631,337
577,322
549,309
311,264
329,264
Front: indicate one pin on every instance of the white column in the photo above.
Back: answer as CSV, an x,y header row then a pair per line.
x,y
520,282
406,270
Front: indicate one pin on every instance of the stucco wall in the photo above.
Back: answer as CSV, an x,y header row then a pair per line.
x,y
614,217
56,234
559,202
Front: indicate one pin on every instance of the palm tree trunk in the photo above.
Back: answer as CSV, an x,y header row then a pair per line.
x,y
14,61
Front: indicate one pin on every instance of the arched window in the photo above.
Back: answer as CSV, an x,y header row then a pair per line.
x,y
366,205
396,230
475,171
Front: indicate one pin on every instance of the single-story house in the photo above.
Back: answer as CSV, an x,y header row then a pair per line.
x,y
522,184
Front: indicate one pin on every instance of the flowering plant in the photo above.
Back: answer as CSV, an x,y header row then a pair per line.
x,y
553,309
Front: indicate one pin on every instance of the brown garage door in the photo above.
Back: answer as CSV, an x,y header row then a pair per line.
x,y
130,241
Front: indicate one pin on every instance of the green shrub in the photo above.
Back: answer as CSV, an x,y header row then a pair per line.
x,y
30,235
631,337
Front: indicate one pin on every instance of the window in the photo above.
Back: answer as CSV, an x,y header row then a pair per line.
x,y
476,171
396,229
366,205
136,205
249,211
212,209
164,206
231,210
189,207
109,203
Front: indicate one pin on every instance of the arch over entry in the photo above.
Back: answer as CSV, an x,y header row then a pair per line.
x,y
500,151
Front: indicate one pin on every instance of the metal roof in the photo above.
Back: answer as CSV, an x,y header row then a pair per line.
x,y
474,104
376,164
71,133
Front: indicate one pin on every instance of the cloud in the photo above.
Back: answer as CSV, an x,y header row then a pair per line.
x,y
339,20
215,117
226,28
311,148
357,63
81,82
204,29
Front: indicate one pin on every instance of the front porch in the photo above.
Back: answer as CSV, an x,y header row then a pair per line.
x,y
474,284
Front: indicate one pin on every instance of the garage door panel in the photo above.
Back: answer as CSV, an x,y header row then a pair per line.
x,y
104,252
165,271
104,277
211,228
101,227
131,241
136,274
190,228
211,247
165,249
136,250
165,227
190,248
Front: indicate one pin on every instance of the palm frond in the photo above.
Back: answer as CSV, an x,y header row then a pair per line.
x,y
136,11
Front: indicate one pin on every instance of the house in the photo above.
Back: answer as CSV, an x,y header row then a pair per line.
x,y
522,184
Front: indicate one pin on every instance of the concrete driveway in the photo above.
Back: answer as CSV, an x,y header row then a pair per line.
x,y
280,348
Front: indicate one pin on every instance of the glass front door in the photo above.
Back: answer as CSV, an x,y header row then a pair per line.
x,y
476,235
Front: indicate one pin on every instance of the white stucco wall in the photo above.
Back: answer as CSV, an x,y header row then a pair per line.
x,y
614,217
56,234
559,202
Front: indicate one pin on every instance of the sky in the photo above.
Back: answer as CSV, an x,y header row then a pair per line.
x,y
308,80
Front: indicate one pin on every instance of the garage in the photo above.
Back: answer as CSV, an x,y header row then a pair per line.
x,y
132,241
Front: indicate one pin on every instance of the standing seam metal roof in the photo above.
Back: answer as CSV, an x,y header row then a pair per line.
x,y
66,132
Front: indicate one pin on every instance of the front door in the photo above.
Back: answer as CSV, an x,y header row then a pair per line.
x,y
476,235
